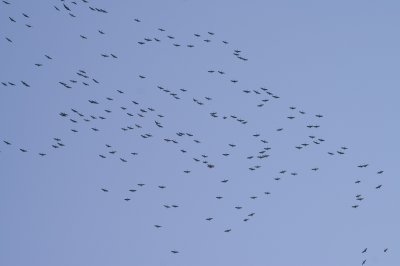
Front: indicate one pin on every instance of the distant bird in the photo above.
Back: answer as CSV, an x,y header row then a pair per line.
x,y
25,84
365,250
227,230
174,251
105,190
378,187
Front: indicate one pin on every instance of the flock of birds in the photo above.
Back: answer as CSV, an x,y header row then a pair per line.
x,y
147,123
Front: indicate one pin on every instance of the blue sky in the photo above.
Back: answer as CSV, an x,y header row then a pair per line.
x,y
338,59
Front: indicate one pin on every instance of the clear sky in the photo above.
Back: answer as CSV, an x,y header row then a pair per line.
x,y
338,59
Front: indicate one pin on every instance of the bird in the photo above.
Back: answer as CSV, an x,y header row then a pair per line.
x,y
104,190
174,251
364,250
25,84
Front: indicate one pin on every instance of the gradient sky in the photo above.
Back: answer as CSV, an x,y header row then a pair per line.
x,y
335,58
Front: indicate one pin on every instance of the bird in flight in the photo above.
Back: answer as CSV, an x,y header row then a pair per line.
x,y
365,250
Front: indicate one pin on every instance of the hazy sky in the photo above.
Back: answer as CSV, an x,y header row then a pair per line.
x,y
335,58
